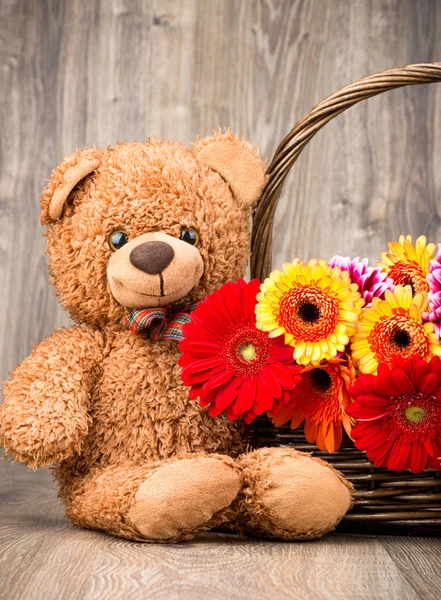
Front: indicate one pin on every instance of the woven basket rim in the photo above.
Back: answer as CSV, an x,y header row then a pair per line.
x,y
304,130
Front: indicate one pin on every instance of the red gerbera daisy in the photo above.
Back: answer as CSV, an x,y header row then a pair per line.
x,y
399,414
229,363
320,400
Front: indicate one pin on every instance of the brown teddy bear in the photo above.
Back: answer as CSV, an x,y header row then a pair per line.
x,y
139,226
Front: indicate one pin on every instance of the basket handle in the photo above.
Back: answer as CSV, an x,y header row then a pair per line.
x,y
290,148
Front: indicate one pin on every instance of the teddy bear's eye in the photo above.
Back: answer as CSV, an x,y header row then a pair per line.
x,y
117,239
189,235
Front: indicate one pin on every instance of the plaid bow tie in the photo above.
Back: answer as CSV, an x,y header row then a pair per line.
x,y
159,323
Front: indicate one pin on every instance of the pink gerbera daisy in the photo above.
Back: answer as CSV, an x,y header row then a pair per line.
x,y
372,281
434,280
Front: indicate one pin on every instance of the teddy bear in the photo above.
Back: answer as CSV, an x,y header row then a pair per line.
x,y
155,225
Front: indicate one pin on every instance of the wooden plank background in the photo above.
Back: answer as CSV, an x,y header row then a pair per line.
x,y
83,72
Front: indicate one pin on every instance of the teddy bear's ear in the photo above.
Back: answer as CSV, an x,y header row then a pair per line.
x,y
64,178
236,161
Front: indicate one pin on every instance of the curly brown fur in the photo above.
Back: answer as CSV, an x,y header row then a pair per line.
x,y
105,406
45,416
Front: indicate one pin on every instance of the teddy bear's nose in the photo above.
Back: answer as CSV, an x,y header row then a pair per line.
x,y
152,257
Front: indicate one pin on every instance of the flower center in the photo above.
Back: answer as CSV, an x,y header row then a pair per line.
x,y
414,417
409,273
247,349
401,339
415,414
318,394
321,380
308,313
398,335
248,352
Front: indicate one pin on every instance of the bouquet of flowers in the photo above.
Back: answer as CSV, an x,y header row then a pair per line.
x,y
333,345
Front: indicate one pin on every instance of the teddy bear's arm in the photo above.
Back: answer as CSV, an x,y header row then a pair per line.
x,y
45,414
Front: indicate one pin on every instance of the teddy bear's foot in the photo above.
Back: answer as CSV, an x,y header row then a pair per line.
x,y
183,497
290,495
168,501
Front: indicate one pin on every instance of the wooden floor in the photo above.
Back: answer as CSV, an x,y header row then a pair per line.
x,y
43,556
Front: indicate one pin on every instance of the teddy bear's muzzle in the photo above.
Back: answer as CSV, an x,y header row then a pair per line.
x,y
154,269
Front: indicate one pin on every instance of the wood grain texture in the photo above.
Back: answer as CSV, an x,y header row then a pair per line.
x,y
76,73
43,556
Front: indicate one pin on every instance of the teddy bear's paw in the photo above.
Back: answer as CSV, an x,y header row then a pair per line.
x,y
184,496
291,495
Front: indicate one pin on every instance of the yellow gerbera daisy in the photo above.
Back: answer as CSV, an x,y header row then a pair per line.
x,y
407,264
315,306
393,327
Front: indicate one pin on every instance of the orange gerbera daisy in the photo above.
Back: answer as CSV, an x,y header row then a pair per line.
x,y
408,264
320,399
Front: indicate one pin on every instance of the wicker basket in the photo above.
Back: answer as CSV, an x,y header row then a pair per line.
x,y
387,502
